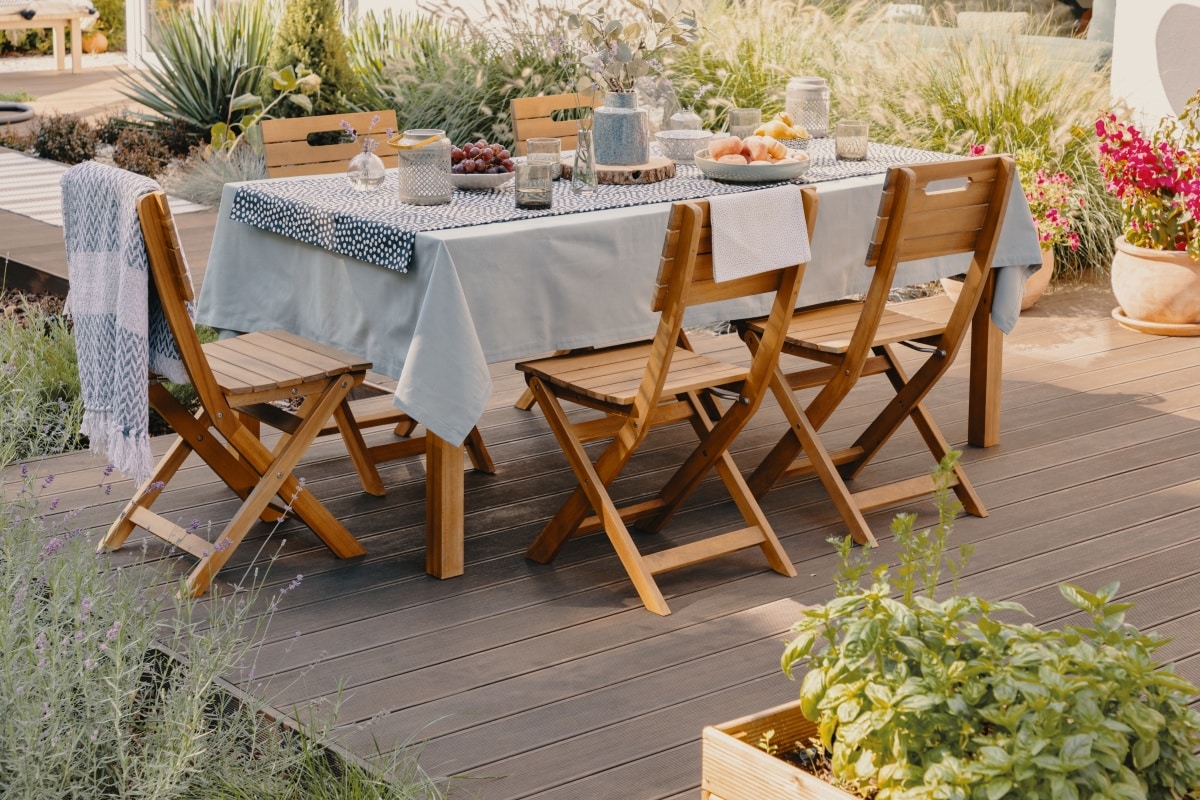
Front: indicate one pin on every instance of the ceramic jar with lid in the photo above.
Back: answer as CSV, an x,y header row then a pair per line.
x,y
424,169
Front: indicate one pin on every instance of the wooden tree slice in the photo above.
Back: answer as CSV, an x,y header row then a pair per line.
x,y
656,169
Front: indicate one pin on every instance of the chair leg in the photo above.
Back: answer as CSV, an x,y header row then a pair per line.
x,y
930,433
477,451
277,480
356,447
146,494
525,401
593,480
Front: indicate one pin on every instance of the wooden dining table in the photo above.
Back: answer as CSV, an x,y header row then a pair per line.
x,y
432,295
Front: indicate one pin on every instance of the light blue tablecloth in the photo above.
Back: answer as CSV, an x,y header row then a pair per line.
x,y
500,291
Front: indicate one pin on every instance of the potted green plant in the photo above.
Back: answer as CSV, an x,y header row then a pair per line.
x,y
1156,269
1055,206
617,53
909,697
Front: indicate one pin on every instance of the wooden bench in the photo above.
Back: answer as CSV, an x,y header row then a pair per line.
x,y
57,20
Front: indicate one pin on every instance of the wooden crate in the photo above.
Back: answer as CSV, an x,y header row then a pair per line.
x,y
734,768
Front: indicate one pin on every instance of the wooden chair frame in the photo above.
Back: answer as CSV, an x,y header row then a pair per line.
x,y
289,153
926,210
535,116
256,370
643,385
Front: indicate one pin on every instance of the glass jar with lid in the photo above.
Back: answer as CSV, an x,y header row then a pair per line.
x,y
807,100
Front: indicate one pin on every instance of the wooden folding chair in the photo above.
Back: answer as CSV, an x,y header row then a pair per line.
x,y
926,210
289,152
548,115
237,379
639,386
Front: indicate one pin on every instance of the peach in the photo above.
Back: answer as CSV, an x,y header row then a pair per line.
x,y
733,158
723,147
754,148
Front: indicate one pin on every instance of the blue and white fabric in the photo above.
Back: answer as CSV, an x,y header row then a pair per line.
x,y
377,228
121,333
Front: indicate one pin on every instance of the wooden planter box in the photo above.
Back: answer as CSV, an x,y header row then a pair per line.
x,y
734,768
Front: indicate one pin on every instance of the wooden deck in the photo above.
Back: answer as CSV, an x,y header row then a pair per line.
x,y
551,682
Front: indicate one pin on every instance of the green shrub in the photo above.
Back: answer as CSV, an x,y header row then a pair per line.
x,y
203,175
460,73
140,150
916,698
199,58
40,406
310,35
64,138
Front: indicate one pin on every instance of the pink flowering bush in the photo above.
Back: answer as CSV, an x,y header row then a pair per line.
x,y
1055,206
1156,179
1053,202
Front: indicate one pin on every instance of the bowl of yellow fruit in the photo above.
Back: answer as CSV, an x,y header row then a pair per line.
x,y
784,129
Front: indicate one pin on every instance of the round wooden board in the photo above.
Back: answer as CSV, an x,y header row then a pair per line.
x,y
1156,328
656,169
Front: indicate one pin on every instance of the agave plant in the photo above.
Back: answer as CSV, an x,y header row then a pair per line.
x,y
200,56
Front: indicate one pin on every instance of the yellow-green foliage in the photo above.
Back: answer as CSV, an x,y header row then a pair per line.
x,y
310,35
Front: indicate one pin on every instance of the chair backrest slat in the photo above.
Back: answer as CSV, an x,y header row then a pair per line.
x,y
946,205
289,153
537,116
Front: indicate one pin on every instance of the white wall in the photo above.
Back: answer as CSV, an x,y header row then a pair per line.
x,y
1156,55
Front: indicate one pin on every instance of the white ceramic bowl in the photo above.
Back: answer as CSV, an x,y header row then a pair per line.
x,y
796,165
473,181
681,146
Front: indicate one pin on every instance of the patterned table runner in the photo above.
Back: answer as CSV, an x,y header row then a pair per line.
x,y
377,228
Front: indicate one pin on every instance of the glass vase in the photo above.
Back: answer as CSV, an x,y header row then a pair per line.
x,y
365,172
583,173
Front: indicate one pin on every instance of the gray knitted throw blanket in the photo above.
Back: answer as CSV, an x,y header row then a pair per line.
x,y
121,333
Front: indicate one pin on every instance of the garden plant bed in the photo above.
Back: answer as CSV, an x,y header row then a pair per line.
x,y
734,767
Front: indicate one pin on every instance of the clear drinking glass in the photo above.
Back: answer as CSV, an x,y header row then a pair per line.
x,y
534,185
743,121
545,150
583,173
850,140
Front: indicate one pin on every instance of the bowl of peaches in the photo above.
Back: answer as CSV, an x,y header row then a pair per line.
x,y
755,159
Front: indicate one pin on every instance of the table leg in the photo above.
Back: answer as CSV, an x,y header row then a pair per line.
x,y
59,35
443,507
76,46
987,361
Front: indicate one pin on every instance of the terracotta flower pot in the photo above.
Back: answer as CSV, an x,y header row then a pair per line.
x,y
1035,285
95,42
1156,286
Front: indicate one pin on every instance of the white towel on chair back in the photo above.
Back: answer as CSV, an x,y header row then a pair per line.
x,y
758,231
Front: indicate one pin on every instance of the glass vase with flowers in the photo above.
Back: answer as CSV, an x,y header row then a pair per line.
x,y
365,170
